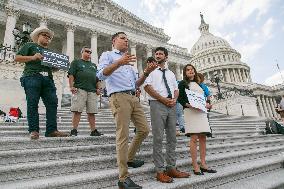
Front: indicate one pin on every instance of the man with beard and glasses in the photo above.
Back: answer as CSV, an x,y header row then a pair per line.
x,y
162,88
116,69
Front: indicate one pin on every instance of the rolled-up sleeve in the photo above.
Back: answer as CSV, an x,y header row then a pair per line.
x,y
149,80
104,61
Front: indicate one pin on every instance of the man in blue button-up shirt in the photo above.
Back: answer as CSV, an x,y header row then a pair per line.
x,y
116,68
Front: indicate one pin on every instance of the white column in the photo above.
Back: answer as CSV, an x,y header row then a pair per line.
x,y
275,105
133,52
234,75
249,76
240,75
264,106
228,76
94,46
140,65
12,15
178,74
272,107
43,20
260,106
149,50
70,28
244,75
268,107
64,47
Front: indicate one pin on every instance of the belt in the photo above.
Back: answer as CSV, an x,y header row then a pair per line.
x,y
130,92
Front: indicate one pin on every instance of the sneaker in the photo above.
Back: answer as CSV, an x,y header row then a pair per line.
x,y
34,135
96,133
74,132
57,134
135,163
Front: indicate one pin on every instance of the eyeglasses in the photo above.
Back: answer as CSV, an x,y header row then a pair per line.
x,y
45,35
89,52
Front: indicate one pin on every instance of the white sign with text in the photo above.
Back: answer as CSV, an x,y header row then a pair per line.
x,y
196,100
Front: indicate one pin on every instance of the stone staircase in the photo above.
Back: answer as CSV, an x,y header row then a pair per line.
x,y
243,156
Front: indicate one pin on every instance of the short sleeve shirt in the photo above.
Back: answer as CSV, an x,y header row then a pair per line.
x,y
33,67
155,79
84,73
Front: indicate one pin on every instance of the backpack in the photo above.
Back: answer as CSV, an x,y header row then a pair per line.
x,y
272,127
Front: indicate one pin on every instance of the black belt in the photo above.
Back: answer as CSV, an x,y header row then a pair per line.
x,y
130,92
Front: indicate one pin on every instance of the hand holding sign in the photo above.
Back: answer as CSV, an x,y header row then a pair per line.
x,y
37,56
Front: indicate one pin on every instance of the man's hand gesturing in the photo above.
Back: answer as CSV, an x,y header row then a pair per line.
x,y
126,59
151,67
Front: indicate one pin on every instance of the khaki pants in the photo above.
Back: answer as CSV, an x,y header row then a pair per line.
x,y
126,107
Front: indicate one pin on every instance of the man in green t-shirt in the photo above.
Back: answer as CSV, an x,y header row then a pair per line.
x,y
83,85
38,83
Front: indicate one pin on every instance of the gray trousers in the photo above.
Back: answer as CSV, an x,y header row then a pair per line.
x,y
163,118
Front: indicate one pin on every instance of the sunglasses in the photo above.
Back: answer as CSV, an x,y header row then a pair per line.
x,y
45,35
89,52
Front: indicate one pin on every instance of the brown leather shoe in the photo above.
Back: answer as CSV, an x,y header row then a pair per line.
x,y
174,173
34,135
57,134
162,177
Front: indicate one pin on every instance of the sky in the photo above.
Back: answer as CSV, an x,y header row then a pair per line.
x,y
255,28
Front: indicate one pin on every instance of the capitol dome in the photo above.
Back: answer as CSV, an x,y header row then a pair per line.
x,y
212,55
208,41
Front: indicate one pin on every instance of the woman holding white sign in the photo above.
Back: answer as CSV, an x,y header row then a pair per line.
x,y
191,97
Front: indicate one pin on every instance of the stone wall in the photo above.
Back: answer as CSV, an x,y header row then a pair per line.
x,y
237,105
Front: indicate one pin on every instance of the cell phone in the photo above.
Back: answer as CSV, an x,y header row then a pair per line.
x,y
151,59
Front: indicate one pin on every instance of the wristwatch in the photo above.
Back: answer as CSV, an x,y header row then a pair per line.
x,y
146,74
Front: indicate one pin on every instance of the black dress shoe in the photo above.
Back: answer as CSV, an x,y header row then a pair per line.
x,y
198,172
128,184
208,170
135,163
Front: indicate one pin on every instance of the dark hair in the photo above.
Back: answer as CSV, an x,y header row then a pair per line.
x,y
83,48
186,79
151,59
116,34
162,49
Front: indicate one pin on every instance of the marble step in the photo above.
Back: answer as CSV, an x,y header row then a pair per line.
x,y
97,161
219,133
231,166
226,174
112,126
111,122
20,143
258,181
9,157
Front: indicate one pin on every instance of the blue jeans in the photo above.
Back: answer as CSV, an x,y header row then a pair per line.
x,y
180,116
36,87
